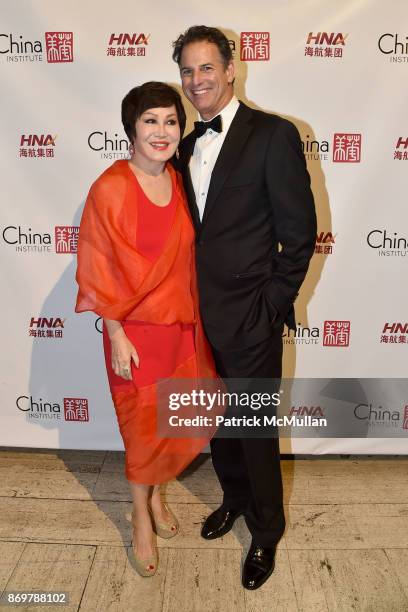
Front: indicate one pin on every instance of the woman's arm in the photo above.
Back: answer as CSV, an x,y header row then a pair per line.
x,y
123,350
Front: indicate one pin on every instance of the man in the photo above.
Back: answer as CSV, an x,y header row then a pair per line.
x,y
250,199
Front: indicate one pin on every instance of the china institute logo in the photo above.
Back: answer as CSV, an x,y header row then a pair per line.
x,y
57,46
255,46
26,240
74,408
336,333
347,148
387,244
325,45
128,45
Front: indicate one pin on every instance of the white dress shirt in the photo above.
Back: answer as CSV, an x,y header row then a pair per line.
x,y
206,151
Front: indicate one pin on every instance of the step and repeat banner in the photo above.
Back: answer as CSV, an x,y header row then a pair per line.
x,y
339,71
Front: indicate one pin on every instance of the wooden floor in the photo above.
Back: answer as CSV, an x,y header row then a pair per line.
x,y
63,527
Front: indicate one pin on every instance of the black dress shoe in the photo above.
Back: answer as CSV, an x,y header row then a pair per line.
x,y
258,566
219,523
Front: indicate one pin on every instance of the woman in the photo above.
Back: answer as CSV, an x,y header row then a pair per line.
x,y
135,269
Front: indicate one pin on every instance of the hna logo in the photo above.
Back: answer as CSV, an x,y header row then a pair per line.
x,y
35,140
129,39
306,411
325,238
395,328
323,38
324,243
51,323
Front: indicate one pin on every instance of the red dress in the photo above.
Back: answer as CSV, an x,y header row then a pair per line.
x,y
135,264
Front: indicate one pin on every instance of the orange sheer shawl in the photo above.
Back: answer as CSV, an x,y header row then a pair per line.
x,y
114,279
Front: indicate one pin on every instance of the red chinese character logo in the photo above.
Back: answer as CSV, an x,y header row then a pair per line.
x,y
347,148
405,422
255,46
76,409
59,47
336,333
66,238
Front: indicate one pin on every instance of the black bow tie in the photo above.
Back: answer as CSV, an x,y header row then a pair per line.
x,y
200,127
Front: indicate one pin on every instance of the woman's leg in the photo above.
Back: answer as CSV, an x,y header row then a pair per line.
x,y
159,509
143,541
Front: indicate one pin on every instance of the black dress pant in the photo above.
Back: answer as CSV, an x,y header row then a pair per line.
x,y
249,468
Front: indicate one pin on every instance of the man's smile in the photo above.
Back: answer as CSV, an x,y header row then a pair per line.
x,y
199,92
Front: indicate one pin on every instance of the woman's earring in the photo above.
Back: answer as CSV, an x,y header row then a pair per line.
x,y
131,150
177,153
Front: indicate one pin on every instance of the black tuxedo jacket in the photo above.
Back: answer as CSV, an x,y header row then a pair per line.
x,y
258,231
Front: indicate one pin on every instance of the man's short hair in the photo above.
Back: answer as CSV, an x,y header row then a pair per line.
x,y
203,33
152,94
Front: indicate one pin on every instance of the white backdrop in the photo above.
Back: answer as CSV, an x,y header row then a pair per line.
x,y
337,70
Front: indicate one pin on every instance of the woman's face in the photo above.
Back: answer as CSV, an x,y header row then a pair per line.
x,y
157,134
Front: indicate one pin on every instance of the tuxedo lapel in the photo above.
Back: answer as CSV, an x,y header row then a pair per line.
x,y
230,151
187,149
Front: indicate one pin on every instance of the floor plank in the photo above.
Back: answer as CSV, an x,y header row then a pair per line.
x,y
339,580
114,586
44,483
320,526
52,567
399,561
87,522
191,488
210,579
51,458
379,525
10,553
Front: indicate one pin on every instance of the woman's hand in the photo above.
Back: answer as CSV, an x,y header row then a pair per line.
x,y
123,350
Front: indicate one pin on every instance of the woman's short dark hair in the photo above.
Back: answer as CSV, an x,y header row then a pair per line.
x,y
150,95
200,33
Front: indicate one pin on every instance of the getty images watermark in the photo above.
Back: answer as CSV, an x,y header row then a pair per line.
x,y
309,408
240,402
229,408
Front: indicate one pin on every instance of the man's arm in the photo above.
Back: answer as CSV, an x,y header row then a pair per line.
x,y
291,199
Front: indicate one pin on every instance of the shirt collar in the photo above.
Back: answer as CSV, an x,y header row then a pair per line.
x,y
228,113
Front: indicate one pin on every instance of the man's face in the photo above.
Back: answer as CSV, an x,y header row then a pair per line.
x,y
205,79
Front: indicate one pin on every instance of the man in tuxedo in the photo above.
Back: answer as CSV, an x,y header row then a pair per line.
x,y
249,194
